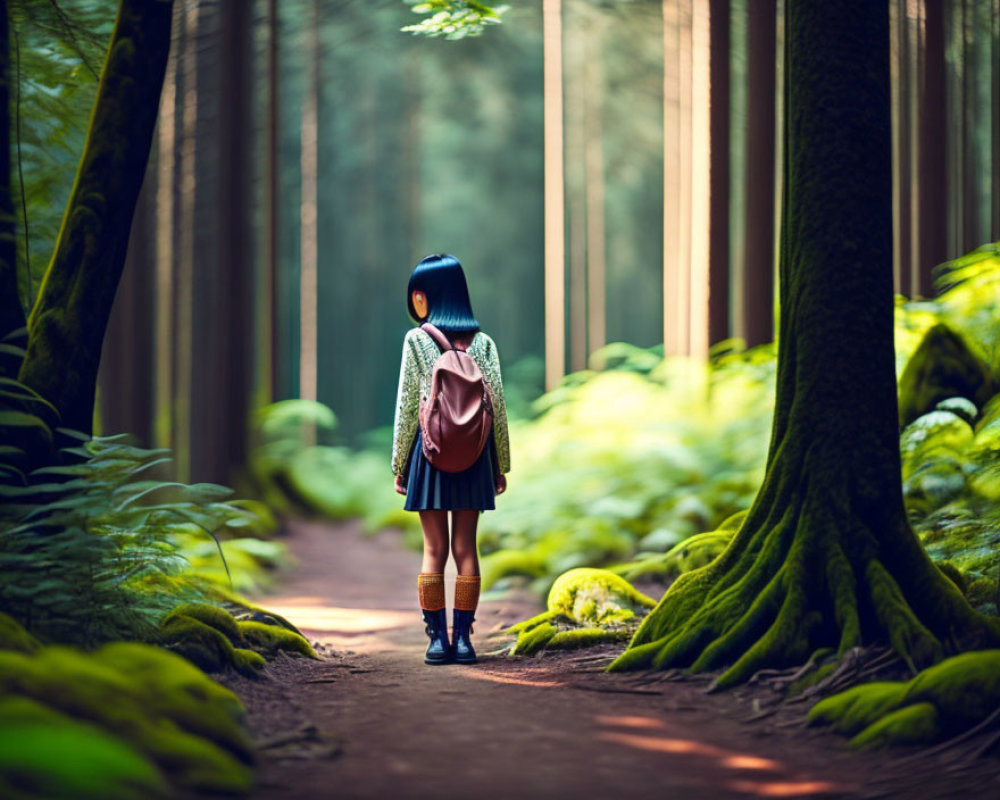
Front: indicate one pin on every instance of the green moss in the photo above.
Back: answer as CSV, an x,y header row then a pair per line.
x,y
914,724
85,687
596,596
531,641
49,755
942,366
531,622
944,699
982,591
690,554
858,707
584,637
13,636
205,646
955,575
964,688
213,616
271,638
173,686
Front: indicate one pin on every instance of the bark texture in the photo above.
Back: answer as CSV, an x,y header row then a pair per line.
x,y
67,324
825,556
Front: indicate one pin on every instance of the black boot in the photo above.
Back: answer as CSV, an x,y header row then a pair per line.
x,y
462,647
438,651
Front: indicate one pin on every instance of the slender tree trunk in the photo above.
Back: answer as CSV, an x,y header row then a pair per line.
x,y
125,376
67,324
718,223
594,135
11,310
555,225
825,557
234,334
932,183
758,285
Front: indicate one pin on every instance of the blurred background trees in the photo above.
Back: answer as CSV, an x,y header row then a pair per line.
x,y
308,153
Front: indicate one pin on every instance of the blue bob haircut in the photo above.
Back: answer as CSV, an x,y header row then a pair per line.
x,y
442,281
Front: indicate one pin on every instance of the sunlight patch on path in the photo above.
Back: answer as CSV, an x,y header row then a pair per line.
x,y
724,758
356,628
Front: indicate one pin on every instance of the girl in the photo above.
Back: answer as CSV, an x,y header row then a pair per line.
x,y
438,294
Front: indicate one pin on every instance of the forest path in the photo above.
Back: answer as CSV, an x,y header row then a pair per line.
x,y
379,723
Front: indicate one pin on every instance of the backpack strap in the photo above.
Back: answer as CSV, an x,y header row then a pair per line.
x,y
438,336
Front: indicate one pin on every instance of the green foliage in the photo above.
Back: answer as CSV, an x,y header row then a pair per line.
x,y
56,52
91,550
943,700
942,367
453,19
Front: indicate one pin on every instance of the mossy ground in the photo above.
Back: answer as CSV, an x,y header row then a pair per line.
x,y
129,720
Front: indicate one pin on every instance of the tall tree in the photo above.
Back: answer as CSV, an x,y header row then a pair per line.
x,y
11,310
825,556
67,324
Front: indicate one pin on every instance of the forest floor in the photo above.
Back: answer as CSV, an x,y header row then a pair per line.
x,y
371,720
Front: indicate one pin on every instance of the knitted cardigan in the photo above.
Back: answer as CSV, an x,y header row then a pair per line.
x,y
420,352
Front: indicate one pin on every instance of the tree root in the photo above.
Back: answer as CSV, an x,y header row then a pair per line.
x,y
779,593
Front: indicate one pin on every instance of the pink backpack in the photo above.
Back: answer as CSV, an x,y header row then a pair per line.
x,y
455,420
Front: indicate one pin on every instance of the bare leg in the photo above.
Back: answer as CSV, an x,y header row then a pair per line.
x,y
463,540
435,525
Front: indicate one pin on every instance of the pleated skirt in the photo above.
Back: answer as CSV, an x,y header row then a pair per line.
x,y
430,488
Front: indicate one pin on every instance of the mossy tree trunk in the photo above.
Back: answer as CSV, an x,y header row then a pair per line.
x,y
825,557
67,324
11,310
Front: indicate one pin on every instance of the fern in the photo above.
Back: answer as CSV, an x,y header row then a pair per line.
x,y
87,546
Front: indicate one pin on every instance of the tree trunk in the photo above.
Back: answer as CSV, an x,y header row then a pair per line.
x,y
66,327
718,214
233,333
11,310
825,556
932,153
758,278
555,231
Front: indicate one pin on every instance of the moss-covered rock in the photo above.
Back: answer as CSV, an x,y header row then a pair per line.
x,y
914,724
47,755
942,366
139,706
271,639
942,700
206,646
603,603
214,639
13,636
172,686
213,616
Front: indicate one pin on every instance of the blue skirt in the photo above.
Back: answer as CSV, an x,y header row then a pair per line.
x,y
430,488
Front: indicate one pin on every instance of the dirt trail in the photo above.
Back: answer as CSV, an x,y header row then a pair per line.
x,y
371,720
